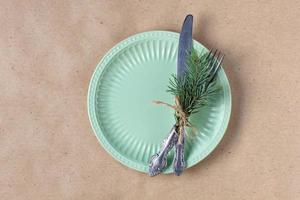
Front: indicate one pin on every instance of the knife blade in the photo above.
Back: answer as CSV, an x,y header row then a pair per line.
x,y
185,44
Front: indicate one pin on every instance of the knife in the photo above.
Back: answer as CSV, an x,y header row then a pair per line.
x,y
184,49
158,161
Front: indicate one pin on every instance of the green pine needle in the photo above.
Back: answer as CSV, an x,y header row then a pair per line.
x,y
197,85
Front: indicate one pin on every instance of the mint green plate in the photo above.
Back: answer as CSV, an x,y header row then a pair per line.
x,y
126,122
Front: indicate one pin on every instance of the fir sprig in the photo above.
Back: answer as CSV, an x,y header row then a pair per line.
x,y
198,84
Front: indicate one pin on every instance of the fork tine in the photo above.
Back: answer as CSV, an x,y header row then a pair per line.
x,y
208,55
216,59
212,63
219,63
221,60
212,58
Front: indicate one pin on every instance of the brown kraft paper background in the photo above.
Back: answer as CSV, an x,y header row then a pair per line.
x,y
49,50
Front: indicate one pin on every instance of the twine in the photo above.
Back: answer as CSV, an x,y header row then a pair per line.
x,y
183,119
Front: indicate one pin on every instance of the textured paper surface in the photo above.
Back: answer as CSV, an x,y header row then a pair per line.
x,y
48,51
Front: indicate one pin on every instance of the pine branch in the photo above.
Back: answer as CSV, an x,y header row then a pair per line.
x,y
198,84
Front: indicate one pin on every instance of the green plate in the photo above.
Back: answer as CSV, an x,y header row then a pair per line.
x,y
126,122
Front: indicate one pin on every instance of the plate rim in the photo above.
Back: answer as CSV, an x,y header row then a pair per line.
x,y
92,112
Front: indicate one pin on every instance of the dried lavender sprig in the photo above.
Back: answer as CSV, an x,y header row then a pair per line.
x,y
159,161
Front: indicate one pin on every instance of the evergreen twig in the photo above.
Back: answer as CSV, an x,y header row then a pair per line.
x,y
198,84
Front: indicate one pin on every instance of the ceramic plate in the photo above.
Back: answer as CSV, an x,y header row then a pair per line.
x,y
126,122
